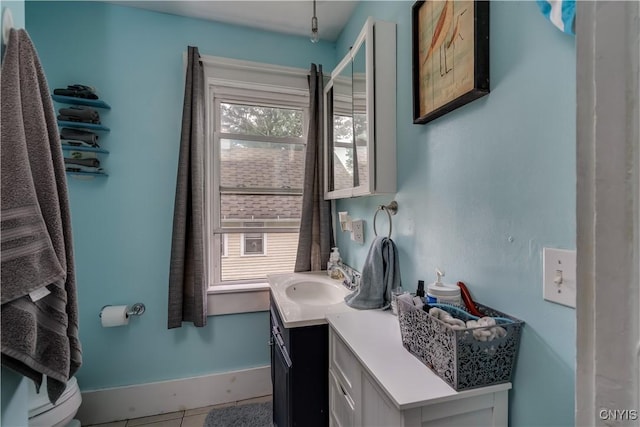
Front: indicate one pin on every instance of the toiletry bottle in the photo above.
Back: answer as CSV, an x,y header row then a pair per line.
x,y
420,291
395,293
418,300
334,261
438,292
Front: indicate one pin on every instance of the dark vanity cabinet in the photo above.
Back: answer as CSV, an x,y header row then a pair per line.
x,y
299,373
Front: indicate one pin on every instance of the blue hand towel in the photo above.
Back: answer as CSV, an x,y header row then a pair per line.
x,y
380,274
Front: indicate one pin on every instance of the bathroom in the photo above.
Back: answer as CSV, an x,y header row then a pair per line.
x,y
482,190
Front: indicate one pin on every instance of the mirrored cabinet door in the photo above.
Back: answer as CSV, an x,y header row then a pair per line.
x,y
341,131
360,110
360,123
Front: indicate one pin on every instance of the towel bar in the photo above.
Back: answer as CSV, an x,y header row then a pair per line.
x,y
390,209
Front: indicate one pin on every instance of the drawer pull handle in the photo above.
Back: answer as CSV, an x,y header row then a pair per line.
x,y
275,333
276,338
343,390
348,398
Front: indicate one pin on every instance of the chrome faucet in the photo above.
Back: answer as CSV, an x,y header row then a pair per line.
x,y
351,279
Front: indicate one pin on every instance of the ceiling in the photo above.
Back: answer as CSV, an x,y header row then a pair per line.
x,y
283,16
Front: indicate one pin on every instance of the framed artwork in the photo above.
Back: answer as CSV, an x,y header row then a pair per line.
x,y
450,55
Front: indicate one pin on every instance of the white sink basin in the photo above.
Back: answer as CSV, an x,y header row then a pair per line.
x,y
304,299
315,292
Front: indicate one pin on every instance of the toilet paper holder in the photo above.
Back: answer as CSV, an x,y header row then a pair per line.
x,y
136,309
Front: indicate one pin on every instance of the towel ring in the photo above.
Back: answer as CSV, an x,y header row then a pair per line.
x,y
390,209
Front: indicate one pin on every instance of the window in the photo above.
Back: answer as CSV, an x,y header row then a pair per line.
x,y
224,245
256,174
253,244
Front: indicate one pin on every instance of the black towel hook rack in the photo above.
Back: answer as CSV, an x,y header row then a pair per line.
x,y
390,209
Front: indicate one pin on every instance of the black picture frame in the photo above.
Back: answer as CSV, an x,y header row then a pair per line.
x,y
429,104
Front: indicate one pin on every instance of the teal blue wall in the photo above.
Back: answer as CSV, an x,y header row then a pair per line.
x,y
17,12
483,189
122,224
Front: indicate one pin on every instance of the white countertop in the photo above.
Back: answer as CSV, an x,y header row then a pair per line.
x,y
374,337
295,314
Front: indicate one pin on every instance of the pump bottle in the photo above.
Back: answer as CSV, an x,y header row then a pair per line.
x,y
332,264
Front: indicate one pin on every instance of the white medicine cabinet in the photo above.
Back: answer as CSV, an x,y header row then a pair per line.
x,y
360,116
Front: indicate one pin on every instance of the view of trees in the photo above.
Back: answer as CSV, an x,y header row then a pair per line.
x,y
258,120
286,122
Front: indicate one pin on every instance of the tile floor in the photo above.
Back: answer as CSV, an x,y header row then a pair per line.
x,y
188,418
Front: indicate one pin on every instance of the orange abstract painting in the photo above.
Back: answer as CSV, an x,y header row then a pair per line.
x,y
445,56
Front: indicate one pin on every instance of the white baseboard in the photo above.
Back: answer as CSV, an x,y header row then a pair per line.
x,y
141,400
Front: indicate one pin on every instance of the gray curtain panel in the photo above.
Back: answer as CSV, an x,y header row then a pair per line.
x,y
315,239
188,273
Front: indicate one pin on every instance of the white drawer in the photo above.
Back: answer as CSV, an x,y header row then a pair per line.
x,y
343,363
341,404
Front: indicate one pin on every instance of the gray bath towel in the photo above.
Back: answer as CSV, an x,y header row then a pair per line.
x,y
380,274
38,337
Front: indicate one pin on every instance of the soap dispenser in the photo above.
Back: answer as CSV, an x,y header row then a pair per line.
x,y
332,265
438,292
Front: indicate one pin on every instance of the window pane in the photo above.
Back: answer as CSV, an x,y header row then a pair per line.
x,y
273,211
259,120
342,129
253,244
252,164
362,149
223,245
342,152
261,176
281,257
342,168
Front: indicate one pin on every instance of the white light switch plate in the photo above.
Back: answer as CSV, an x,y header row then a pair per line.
x,y
357,230
559,276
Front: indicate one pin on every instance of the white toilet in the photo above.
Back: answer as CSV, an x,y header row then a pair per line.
x,y
43,414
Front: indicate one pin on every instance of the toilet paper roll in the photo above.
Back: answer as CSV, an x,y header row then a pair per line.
x,y
114,315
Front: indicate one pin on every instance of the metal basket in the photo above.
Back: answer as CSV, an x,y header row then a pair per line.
x,y
457,356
